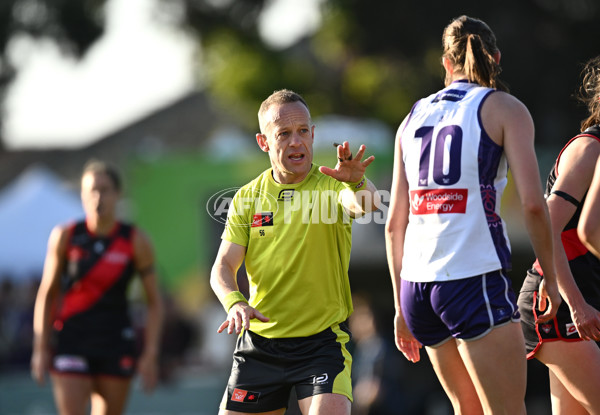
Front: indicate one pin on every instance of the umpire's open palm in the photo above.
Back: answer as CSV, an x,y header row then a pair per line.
x,y
348,169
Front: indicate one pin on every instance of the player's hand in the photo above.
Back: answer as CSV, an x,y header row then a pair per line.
x,y
148,370
405,341
40,362
348,169
549,300
239,317
587,321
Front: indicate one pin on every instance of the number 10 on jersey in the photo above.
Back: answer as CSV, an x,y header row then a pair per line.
x,y
446,155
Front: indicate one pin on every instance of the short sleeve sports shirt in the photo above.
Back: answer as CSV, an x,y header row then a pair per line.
x,y
298,240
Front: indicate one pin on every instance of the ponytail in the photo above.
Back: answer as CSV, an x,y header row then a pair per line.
x,y
480,66
470,45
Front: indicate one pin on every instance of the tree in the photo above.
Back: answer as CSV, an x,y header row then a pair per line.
x,y
375,58
368,58
74,25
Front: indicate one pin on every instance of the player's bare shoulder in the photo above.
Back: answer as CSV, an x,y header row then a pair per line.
x,y
502,112
59,237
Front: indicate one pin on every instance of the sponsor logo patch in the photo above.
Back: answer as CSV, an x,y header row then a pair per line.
x,y
571,329
262,225
424,202
114,257
219,205
320,379
546,328
262,219
70,363
126,363
76,253
453,95
286,194
241,395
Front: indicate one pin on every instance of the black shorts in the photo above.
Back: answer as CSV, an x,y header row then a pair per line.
x,y
265,370
118,365
561,328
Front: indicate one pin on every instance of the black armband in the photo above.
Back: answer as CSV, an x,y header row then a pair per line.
x,y
566,197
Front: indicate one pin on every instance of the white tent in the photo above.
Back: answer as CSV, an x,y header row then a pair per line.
x,y
30,207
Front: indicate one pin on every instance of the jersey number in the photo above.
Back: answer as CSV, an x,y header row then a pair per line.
x,y
446,159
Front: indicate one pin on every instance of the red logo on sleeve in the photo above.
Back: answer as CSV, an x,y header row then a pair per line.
x,y
424,202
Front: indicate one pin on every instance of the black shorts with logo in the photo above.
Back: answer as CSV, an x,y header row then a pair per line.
x,y
93,353
561,328
265,370
122,366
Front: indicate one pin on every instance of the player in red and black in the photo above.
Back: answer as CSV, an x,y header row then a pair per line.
x,y
567,343
82,329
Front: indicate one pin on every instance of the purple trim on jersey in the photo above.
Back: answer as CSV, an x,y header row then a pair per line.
x,y
490,155
408,117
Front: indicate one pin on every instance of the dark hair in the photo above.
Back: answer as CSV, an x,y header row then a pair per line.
x,y
98,166
282,96
589,92
470,46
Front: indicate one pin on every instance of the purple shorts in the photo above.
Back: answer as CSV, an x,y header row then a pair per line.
x,y
466,309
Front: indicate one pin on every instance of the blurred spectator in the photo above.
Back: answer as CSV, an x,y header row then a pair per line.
x,y
16,323
216,350
376,369
6,320
178,336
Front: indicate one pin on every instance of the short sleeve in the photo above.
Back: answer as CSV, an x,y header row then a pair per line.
x,y
237,227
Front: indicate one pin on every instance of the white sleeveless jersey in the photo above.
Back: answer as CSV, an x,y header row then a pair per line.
x,y
456,176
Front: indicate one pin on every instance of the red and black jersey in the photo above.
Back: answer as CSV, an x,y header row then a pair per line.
x,y
92,314
584,265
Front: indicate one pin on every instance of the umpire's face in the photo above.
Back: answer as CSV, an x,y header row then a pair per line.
x,y
288,138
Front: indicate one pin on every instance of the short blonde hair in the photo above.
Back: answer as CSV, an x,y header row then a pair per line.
x,y
282,96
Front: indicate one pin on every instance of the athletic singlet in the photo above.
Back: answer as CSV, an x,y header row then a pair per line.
x,y
456,175
584,265
92,316
298,240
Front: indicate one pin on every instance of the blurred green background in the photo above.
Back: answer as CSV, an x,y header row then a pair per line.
x,y
360,65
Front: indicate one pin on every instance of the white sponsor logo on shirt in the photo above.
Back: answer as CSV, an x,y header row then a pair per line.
x,y
116,257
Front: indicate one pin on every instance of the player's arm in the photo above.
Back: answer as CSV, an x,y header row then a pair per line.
x,y
144,263
588,228
575,172
360,195
46,296
510,123
395,232
223,280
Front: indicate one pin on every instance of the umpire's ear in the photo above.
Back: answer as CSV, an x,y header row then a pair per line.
x,y
261,139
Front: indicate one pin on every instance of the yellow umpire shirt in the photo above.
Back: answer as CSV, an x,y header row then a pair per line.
x,y
298,239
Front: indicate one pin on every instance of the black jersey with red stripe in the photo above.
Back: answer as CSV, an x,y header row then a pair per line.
x,y
584,265
92,316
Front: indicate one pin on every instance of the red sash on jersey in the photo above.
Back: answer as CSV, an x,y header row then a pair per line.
x,y
101,277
